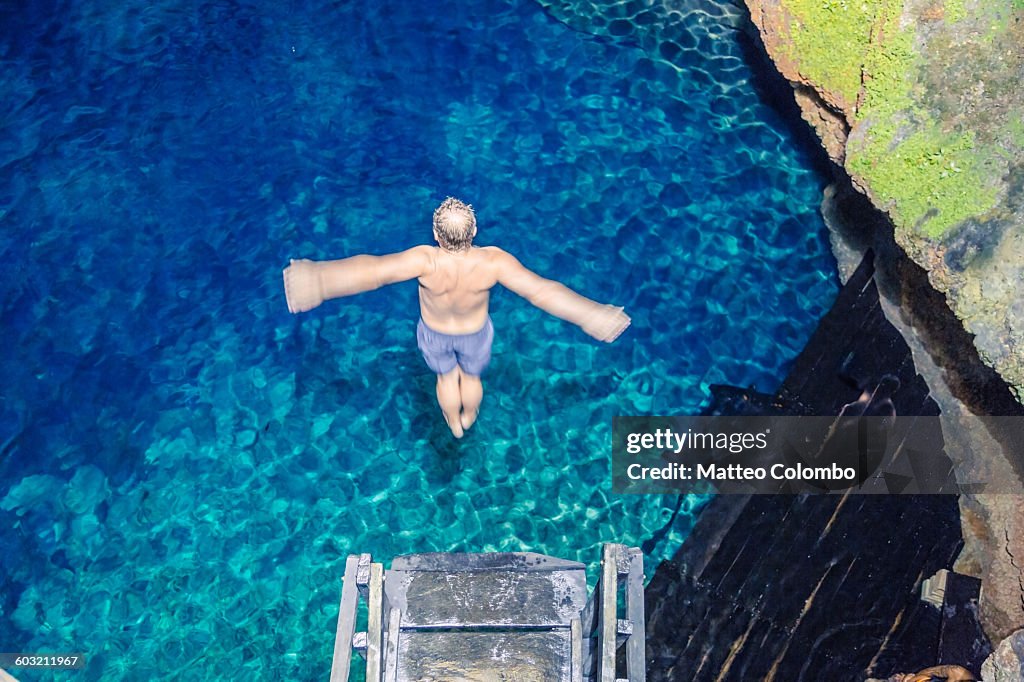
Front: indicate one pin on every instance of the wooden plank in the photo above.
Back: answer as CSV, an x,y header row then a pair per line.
x,y
622,562
374,623
608,618
346,622
391,651
487,598
524,656
522,562
588,617
636,667
589,655
363,574
623,630
576,633
588,623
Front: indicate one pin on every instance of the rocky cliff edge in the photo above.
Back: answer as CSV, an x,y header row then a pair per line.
x,y
922,103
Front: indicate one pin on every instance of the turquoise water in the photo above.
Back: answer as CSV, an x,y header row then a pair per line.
x,y
185,465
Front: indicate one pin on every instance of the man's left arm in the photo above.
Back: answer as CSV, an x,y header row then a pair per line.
x,y
602,321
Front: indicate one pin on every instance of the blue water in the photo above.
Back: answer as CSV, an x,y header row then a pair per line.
x,y
185,465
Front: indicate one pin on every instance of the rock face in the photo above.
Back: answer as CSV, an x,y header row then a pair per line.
x,y
920,102
944,355
1006,664
993,530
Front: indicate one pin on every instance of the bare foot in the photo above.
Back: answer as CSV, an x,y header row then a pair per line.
x,y
467,418
456,427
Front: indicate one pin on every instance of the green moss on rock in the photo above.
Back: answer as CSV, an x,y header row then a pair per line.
x,y
930,94
930,180
866,57
830,39
955,11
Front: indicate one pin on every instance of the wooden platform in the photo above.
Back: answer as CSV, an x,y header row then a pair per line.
x,y
501,616
522,590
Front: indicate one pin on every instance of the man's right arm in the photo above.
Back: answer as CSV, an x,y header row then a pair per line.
x,y
308,283
603,322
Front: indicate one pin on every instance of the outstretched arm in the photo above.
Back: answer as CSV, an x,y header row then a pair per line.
x,y
308,283
603,322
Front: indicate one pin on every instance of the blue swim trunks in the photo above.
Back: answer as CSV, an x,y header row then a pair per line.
x,y
442,352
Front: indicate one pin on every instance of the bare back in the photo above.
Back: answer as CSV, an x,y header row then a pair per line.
x,y
455,289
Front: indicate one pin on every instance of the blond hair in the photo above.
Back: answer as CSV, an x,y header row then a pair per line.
x,y
455,225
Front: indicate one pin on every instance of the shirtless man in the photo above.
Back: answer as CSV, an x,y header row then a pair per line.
x,y
454,332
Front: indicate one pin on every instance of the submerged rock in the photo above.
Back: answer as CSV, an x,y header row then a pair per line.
x,y
32,491
88,487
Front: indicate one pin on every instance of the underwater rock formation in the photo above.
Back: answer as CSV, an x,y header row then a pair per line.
x,y
919,101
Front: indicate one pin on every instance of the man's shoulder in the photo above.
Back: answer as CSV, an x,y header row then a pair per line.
x,y
492,253
500,263
422,250
494,257
423,253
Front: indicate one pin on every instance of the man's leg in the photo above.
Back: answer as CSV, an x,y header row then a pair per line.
x,y
473,352
450,400
471,391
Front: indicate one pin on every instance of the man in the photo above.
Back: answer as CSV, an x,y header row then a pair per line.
x,y
454,332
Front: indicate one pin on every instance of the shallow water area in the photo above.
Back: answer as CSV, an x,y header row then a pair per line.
x,y
184,465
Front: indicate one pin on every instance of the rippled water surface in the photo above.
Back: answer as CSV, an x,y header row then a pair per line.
x,y
185,465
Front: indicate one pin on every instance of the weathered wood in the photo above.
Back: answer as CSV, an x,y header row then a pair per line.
x,y
623,629
391,650
522,562
589,657
608,588
363,574
490,598
524,656
346,622
622,562
576,633
588,621
374,625
588,617
519,616
636,668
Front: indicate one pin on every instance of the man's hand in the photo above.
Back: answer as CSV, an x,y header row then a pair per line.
x,y
303,287
606,323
